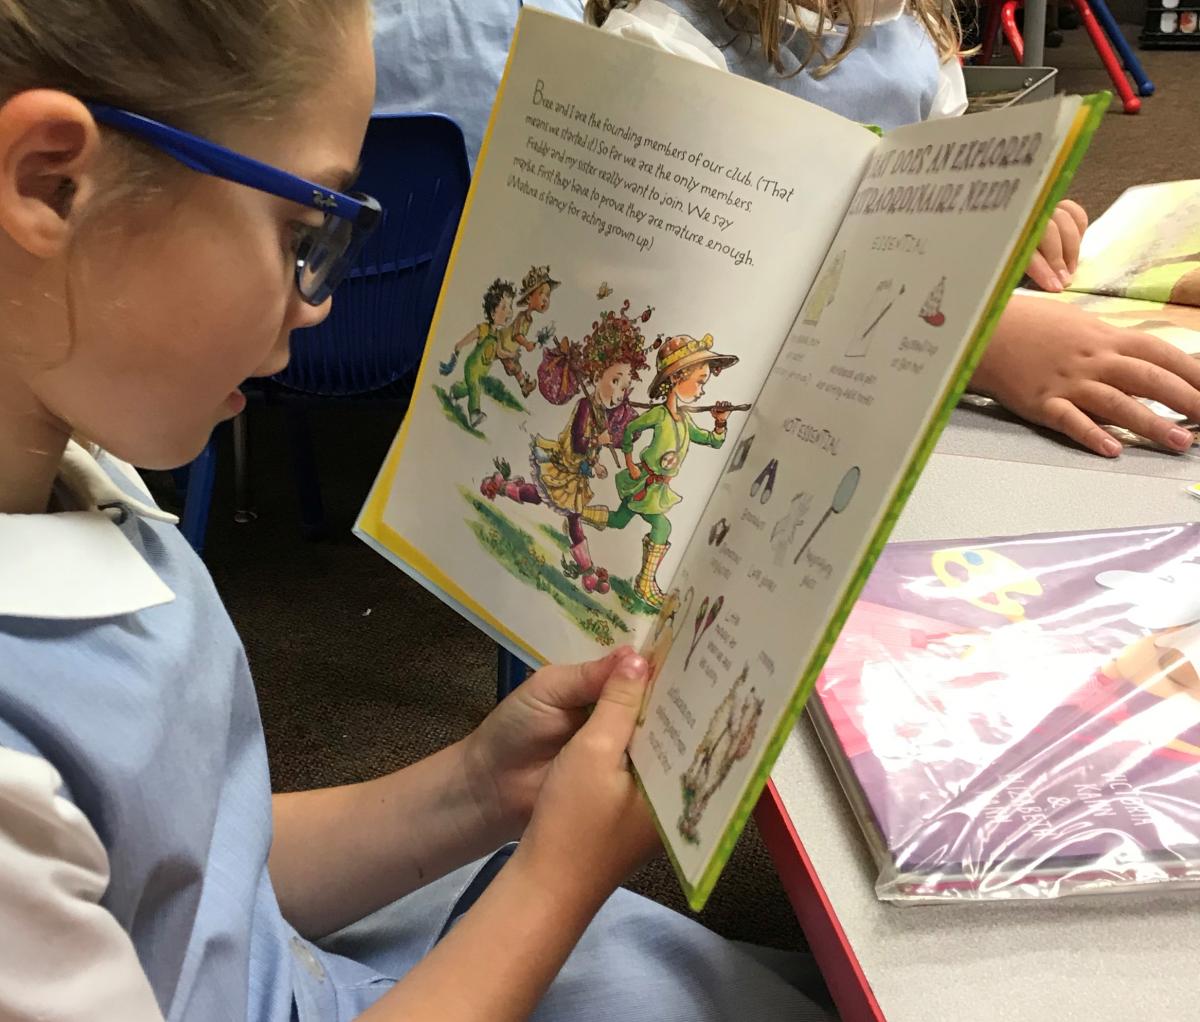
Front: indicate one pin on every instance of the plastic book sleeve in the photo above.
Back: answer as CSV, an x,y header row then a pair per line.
x,y
1020,718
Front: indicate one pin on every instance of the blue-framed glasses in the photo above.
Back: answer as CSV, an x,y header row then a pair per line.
x,y
325,253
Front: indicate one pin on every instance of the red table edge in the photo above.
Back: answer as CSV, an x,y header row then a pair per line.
x,y
843,974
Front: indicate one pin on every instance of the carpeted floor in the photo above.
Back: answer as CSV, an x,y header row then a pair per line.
x,y
360,671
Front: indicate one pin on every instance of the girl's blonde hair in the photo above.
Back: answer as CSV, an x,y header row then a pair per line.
x,y
775,22
196,64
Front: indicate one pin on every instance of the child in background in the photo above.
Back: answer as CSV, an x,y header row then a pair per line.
x,y
894,62
447,56
145,870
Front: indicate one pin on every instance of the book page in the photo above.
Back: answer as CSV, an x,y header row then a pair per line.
x,y
640,233
1147,245
873,360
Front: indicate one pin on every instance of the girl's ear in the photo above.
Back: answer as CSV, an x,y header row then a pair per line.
x,y
48,148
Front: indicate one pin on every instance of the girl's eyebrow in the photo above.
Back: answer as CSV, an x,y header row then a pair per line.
x,y
338,179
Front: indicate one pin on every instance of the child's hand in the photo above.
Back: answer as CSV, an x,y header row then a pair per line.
x,y
511,752
591,827
1059,366
600,471
1057,256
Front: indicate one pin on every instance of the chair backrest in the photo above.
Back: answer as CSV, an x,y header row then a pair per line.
x,y
416,166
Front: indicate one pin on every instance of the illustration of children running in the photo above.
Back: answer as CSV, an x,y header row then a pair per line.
x,y
685,365
489,337
604,367
535,297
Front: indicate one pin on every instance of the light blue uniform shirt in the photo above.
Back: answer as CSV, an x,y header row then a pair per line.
x,y
890,78
447,56
132,684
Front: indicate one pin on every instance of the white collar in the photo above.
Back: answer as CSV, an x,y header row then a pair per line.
x,y
78,565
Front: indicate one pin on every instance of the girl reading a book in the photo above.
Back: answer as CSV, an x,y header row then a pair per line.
x,y
139,840
895,62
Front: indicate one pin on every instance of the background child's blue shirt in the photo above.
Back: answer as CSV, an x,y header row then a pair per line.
x,y
448,56
892,76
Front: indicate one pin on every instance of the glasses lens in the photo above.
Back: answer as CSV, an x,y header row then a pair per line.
x,y
325,258
331,250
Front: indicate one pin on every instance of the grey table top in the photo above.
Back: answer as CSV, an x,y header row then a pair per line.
x,y
1103,959
993,434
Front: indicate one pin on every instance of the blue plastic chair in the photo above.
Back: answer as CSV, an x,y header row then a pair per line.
x,y
371,344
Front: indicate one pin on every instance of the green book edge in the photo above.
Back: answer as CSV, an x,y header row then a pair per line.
x,y
698,894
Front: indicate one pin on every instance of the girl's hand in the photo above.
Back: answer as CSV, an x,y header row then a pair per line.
x,y
600,471
1061,367
604,439
720,414
635,472
1057,256
509,755
591,827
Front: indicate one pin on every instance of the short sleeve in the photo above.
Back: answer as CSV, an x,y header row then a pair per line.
x,y
951,97
63,957
484,329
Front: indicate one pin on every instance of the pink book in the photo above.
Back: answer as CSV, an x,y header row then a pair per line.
x,y
1020,717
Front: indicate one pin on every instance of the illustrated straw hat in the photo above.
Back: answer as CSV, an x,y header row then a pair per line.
x,y
682,352
535,278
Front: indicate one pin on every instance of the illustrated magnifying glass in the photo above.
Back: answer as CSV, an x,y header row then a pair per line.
x,y
841,501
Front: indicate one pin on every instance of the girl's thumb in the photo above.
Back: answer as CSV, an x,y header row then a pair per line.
x,y
613,720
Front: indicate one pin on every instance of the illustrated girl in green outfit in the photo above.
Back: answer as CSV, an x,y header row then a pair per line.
x,y
685,365
490,337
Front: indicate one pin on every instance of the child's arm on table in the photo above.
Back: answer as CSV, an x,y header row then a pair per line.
x,y
340,853
590,830
1061,367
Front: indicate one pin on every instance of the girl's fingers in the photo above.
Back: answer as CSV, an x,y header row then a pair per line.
x,y
1051,248
1070,237
575,686
1076,213
1113,405
1149,348
1061,415
1042,275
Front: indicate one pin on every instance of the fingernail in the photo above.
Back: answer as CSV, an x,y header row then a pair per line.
x,y
634,666
1179,437
1065,275
1111,447
1054,287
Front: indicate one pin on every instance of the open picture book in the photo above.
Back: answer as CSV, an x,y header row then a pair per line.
x,y
695,341
1139,265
